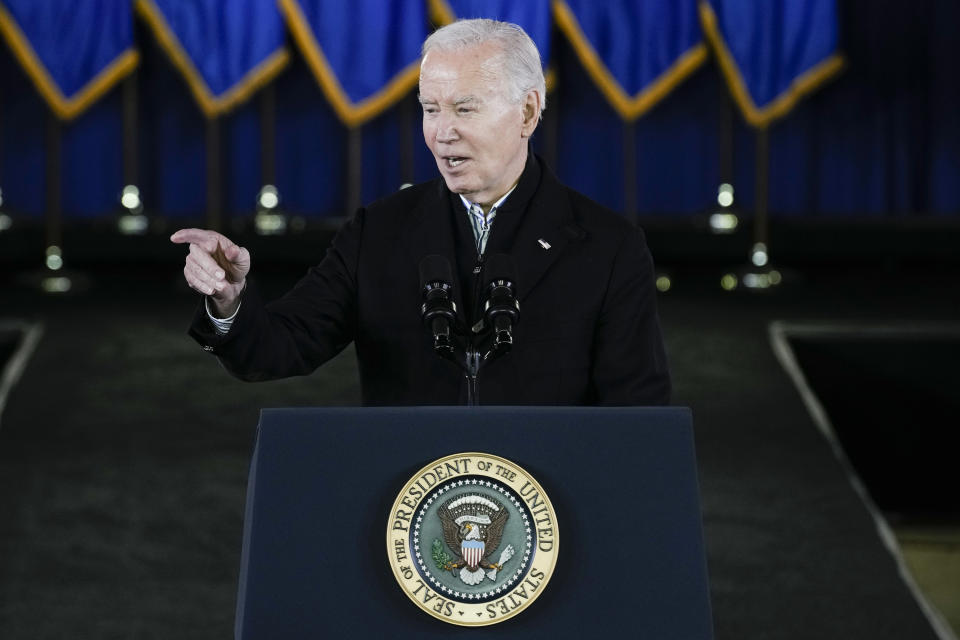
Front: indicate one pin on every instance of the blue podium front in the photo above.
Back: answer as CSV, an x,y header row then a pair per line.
x,y
622,482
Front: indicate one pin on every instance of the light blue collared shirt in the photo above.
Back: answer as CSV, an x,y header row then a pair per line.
x,y
480,222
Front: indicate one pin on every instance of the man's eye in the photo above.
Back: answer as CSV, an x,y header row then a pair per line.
x,y
464,109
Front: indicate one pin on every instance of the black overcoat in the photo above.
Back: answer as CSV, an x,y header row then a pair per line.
x,y
588,332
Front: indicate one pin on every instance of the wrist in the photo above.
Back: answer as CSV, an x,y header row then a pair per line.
x,y
224,304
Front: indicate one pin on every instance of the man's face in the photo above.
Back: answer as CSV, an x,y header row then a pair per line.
x,y
477,135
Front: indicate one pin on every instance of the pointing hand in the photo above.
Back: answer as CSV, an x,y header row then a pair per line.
x,y
215,267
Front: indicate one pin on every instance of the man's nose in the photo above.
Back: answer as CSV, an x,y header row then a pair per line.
x,y
447,129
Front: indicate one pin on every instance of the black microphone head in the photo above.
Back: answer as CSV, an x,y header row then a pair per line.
x,y
435,268
500,267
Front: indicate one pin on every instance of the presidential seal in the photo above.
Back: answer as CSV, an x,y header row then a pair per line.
x,y
472,539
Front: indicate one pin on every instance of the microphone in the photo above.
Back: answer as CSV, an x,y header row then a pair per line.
x,y
502,311
438,310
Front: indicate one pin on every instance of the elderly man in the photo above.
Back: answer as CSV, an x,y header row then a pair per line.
x,y
588,333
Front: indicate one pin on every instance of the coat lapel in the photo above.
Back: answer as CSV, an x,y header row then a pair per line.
x,y
545,231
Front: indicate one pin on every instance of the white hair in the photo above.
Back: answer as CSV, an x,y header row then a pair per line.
x,y
518,56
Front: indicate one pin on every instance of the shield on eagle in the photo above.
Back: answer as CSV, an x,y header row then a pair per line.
x,y
472,552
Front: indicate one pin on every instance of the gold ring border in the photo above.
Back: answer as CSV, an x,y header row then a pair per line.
x,y
554,553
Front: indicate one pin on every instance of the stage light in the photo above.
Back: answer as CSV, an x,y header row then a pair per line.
x,y
663,283
758,254
132,221
56,284
728,282
268,198
775,277
756,280
268,221
725,195
130,199
54,258
724,222
132,225
270,224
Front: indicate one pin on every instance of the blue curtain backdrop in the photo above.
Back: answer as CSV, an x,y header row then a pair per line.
x,y
224,51
533,15
72,57
772,52
879,139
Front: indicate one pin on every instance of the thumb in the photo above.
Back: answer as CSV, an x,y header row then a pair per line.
x,y
232,252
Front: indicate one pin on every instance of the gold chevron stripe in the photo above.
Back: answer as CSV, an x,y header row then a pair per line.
x,y
210,104
350,113
629,107
65,108
782,104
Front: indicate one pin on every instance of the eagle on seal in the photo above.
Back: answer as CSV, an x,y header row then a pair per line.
x,y
472,528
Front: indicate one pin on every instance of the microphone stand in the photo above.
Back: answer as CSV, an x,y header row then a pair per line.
x,y
472,364
438,312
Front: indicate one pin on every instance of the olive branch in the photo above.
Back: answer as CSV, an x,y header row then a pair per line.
x,y
440,557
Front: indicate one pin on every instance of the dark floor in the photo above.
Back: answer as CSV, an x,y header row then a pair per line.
x,y
124,451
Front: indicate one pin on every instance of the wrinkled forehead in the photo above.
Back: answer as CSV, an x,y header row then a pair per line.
x,y
450,75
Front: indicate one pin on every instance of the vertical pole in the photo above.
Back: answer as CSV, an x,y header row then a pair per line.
x,y
630,170
54,219
131,156
214,217
760,220
268,135
814,155
407,124
726,136
354,168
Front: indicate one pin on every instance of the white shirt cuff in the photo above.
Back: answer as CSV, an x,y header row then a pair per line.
x,y
220,325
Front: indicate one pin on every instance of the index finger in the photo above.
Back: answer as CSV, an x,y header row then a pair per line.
x,y
208,240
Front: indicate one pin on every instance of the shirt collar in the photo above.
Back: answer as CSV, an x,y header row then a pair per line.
x,y
496,205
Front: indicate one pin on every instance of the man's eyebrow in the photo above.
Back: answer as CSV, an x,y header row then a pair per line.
x,y
457,102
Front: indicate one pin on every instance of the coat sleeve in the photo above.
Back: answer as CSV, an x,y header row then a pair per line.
x,y
630,362
294,335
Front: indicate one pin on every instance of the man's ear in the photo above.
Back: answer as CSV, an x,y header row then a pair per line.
x,y
531,113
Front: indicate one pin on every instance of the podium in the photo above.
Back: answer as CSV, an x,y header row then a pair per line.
x,y
622,482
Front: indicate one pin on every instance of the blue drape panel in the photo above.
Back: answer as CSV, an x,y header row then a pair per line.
x,y
638,41
224,50
635,51
532,15
363,53
72,51
773,51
